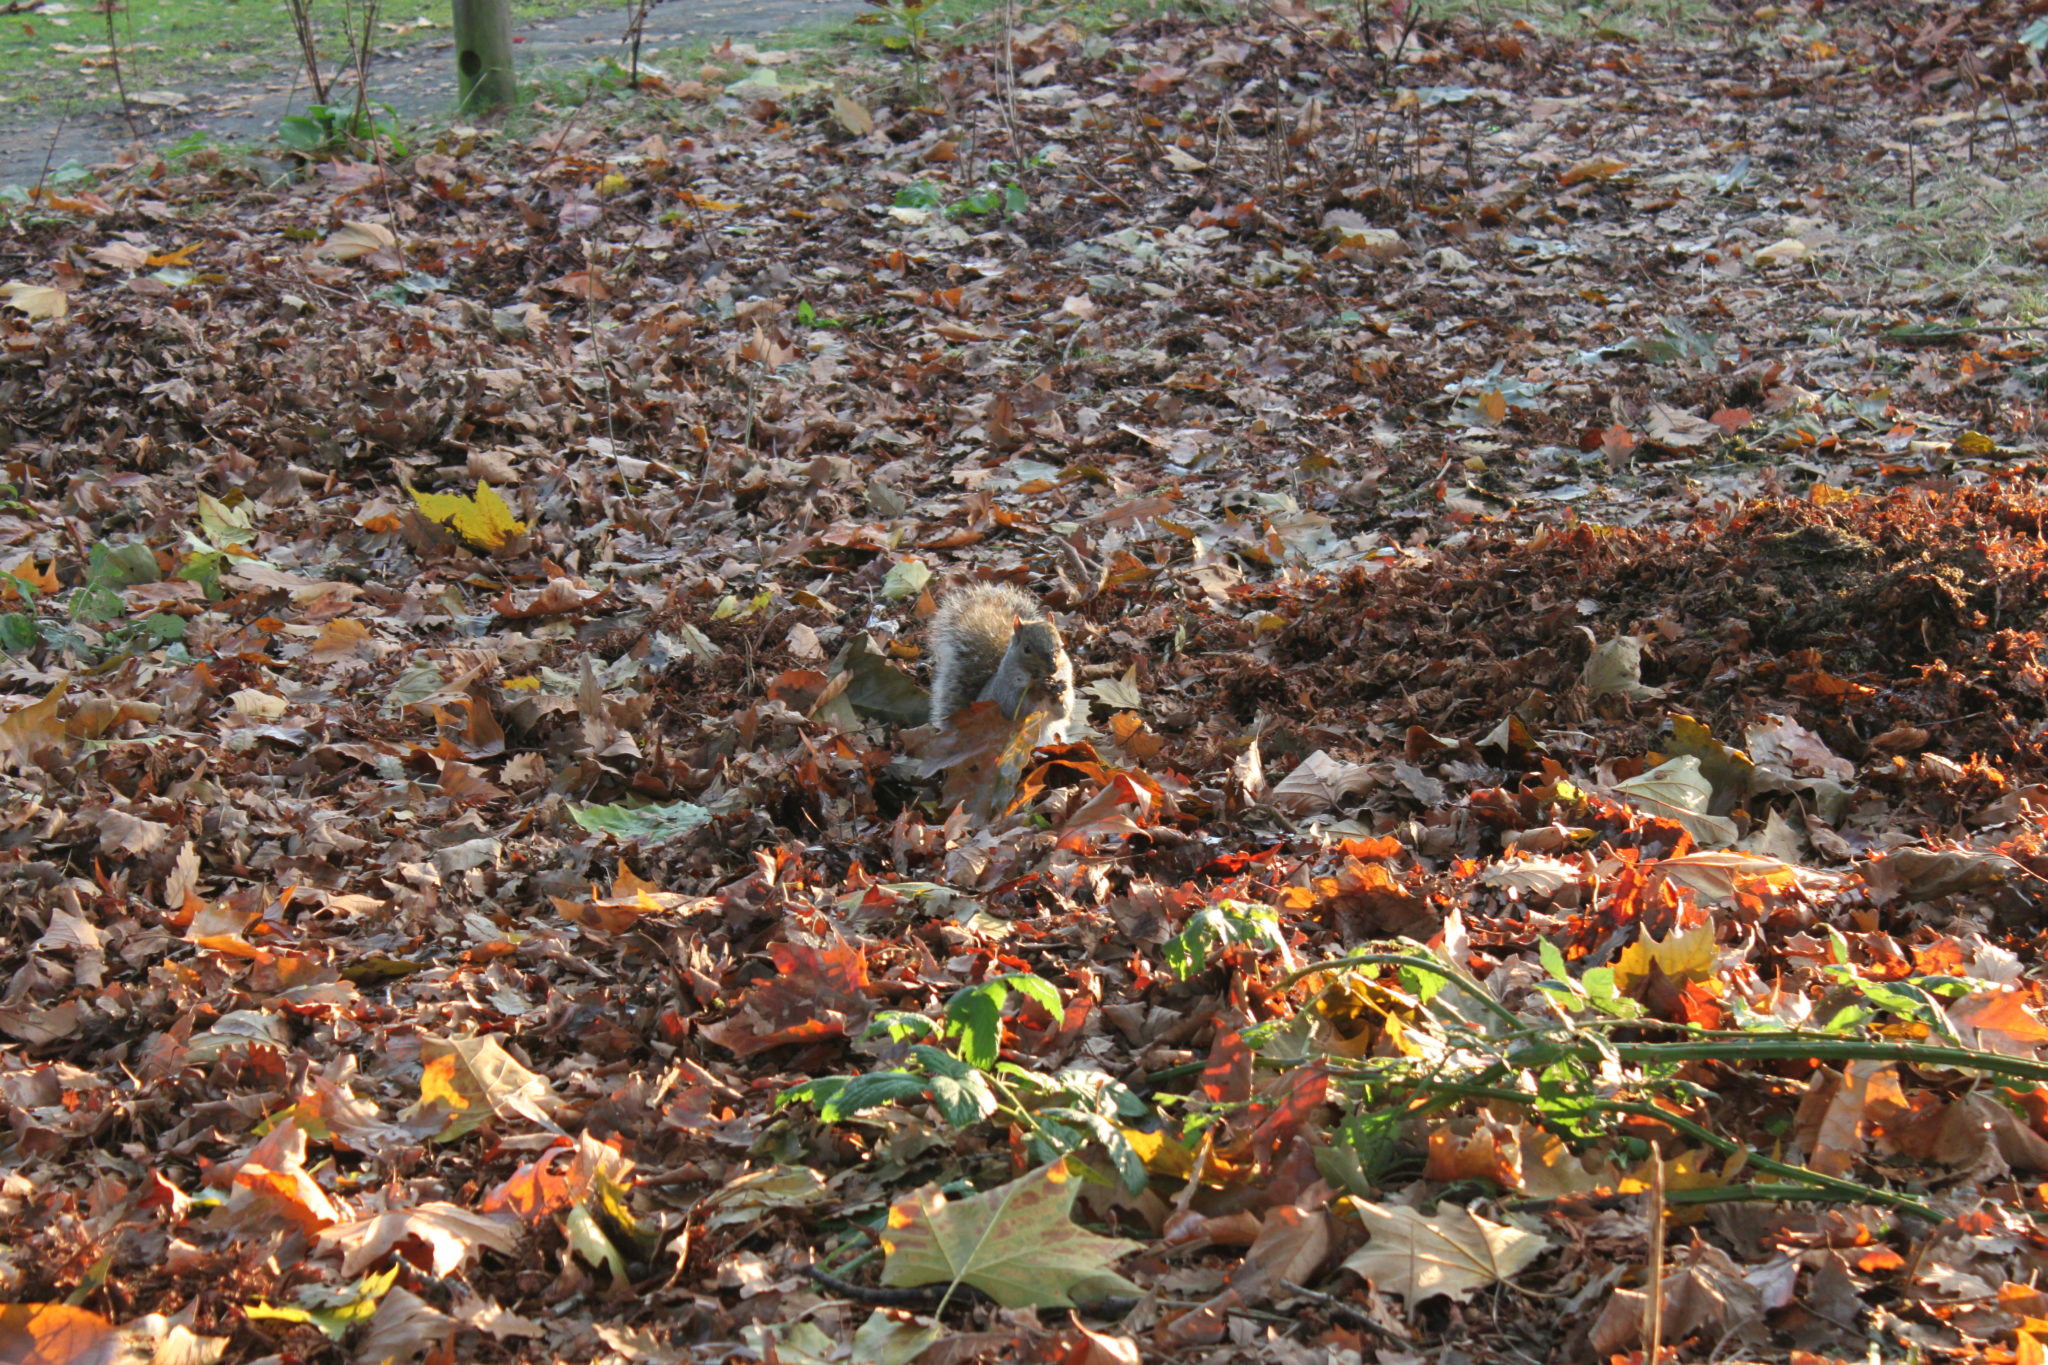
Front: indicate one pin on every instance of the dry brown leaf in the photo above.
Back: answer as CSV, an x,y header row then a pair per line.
x,y
1453,1252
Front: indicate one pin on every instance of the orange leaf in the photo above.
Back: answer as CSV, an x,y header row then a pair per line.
x,y
30,728
41,580
1593,168
55,1334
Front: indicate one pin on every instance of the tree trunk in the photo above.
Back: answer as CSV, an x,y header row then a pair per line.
x,y
483,54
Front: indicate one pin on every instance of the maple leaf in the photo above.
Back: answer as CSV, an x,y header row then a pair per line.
x,y
448,1230
485,521
1015,1243
821,993
1681,956
467,1081
1453,1253
403,1328
29,728
272,1182
1675,790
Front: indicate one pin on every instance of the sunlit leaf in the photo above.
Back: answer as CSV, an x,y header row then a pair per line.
x,y
36,300
483,520
1016,1243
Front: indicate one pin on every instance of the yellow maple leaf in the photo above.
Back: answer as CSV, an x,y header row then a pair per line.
x,y
1684,956
485,522
438,1084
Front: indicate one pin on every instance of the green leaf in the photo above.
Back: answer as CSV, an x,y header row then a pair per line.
x,y
649,824
1421,983
121,566
962,1093
590,1243
333,1311
17,632
874,1090
1037,989
1130,1167
817,1092
906,578
901,1026
302,134
975,1016
204,569
92,603
1219,926
919,194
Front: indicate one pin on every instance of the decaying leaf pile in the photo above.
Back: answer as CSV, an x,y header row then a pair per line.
x,y
1560,610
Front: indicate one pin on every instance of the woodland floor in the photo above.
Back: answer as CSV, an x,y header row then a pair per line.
x,y
1550,524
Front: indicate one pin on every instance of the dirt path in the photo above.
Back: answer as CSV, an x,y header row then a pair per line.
x,y
417,82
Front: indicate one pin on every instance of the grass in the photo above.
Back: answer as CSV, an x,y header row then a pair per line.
x,y
55,59
1966,233
1639,19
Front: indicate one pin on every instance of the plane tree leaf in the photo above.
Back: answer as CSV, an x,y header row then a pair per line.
x,y
1453,1252
1016,1243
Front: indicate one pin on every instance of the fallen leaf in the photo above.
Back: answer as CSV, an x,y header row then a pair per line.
x,y
1454,1253
1016,1243
36,300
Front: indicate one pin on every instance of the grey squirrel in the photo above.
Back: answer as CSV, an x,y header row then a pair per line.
x,y
992,642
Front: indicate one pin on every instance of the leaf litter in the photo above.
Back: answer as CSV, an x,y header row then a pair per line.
x,y
1564,653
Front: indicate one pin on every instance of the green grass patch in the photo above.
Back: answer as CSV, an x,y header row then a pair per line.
x,y
1627,20
57,59
1966,233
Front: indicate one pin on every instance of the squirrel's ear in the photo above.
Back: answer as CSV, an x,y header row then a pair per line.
x,y
1016,622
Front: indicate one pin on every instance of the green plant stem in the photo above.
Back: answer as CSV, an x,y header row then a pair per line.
x,y
1847,1189
1712,1045
1765,1048
868,1254
1014,1104
1720,1194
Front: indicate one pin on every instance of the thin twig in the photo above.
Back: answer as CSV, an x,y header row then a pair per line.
x,y
49,155
636,30
1010,86
933,1298
1346,1314
120,82
1653,1306
309,47
362,47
